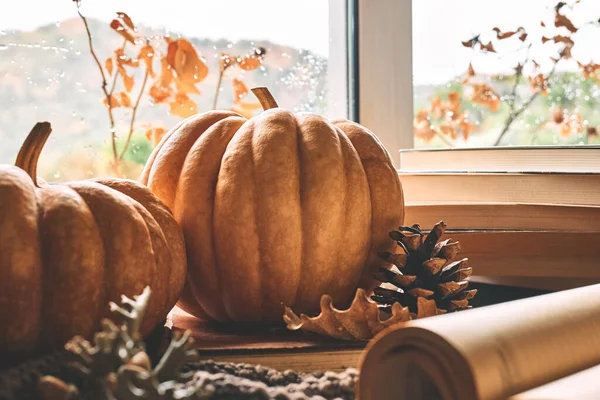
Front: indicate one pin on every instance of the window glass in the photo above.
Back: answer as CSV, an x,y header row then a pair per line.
x,y
161,61
507,72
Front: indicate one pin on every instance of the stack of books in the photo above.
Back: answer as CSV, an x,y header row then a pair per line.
x,y
524,216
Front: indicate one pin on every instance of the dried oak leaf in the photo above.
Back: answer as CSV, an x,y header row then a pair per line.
x,y
566,51
449,130
466,127
523,36
122,59
119,26
240,90
108,64
155,134
252,61
539,83
146,54
471,42
422,115
423,130
592,131
453,105
471,71
488,47
244,108
484,95
561,20
124,99
183,106
125,18
590,70
188,67
505,35
161,90
572,123
127,79
361,321
114,101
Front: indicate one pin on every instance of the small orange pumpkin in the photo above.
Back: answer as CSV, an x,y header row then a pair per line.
x,y
277,209
67,250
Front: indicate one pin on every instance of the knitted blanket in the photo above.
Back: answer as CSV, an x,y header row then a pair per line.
x,y
214,380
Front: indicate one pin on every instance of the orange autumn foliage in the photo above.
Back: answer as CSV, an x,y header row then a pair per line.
x,y
182,69
484,95
447,115
527,72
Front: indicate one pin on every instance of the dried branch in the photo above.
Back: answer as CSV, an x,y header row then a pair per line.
x,y
218,90
515,113
104,85
134,113
117,73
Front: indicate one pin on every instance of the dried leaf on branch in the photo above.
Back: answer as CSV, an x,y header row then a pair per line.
x,y
471,71
244,108
471,42
424,130
488,47
146,54
183,106
505,35
253,60
125,100
539,83
108,64
155,134
568,123
590,70
562,21
188,67
124,27
484,95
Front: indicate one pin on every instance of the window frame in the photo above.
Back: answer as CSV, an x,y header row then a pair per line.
x,y
380,70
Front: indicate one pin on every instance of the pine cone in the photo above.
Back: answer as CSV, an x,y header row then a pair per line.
x,y
427,270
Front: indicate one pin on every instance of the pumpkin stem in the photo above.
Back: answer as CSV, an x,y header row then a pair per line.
x,y
30,151
265,98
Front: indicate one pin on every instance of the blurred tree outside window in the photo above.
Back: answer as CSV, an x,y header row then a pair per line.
x,y
506,73
150,65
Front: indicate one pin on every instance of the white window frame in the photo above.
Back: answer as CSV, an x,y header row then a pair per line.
x,y
370,68
385,72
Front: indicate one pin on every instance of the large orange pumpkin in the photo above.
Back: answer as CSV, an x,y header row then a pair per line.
x,y
277,209
67,250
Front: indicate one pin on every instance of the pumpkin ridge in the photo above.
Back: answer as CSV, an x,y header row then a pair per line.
x,y
255,210
73,264
379,170
322,161
235,238
203,160
357,198
21,272
167,166
277,209
169,228
126,241
145,175
300,191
